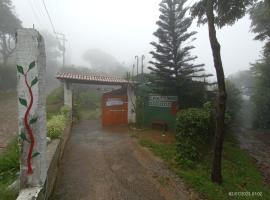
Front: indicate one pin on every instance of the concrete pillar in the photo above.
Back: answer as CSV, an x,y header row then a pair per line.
x,y
68,94
31,68
131,105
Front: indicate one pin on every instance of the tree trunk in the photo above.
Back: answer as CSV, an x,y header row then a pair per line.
x,y
5,52
216,175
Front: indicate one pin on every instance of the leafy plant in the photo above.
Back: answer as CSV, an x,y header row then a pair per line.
x,y
56,126
9,166
194,129
65,110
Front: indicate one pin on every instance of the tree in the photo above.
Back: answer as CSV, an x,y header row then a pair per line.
x,y
234,101
260,18
8,25
261,97
219,13
173,70
52,55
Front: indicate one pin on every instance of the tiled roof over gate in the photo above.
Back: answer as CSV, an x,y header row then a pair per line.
x,y
90,79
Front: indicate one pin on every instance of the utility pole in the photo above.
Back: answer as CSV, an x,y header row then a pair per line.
x,y
63,45
137,58
143,57
133,67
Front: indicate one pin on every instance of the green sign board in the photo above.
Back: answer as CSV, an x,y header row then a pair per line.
x,y
157,107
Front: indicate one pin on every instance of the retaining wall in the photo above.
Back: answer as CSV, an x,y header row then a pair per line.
x,y
55,152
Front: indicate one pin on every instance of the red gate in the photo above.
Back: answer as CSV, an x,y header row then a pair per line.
x,y
114,109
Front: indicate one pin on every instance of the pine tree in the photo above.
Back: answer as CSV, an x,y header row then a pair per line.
x,y
173,70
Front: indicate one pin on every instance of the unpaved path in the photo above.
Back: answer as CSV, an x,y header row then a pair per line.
x,y
257,143
8,118
100,164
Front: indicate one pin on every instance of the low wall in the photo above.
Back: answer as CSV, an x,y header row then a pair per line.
x,y
55,152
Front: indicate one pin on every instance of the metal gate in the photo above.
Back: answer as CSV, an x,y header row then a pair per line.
x,y
114,109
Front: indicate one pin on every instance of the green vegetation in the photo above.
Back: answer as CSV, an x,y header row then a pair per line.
x,y
234,101
87,103
55,100
56,125
261,97
173,70
219,13
90,114
9,166
240,173
194,131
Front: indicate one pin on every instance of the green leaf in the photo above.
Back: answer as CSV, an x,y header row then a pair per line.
x,y
34,81
20,69
23,136
35,154
33,120
32,65
23,102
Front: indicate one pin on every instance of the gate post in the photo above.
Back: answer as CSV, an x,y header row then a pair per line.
x,y
68,94
31,67
131,104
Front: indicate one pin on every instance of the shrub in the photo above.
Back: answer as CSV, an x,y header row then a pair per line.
x,y
194,128
9,159
65,110
56,126
9,167
55,101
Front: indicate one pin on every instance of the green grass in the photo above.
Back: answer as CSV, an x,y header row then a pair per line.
x,y
240,173
90,114
9,166
55,101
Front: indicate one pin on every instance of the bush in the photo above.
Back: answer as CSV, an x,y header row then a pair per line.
x,y
9,167
194,128
56,126
65,110
55,101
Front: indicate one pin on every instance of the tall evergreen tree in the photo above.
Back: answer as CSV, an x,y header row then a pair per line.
x,y
173,70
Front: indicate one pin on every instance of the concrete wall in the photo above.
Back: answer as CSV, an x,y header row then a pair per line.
x,y
55,152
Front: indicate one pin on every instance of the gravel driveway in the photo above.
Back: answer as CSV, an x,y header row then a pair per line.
x,y
107,164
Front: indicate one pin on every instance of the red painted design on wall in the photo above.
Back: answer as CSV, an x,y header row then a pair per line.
x,y
29,137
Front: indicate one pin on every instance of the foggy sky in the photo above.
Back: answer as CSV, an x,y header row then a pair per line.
x,y
124,28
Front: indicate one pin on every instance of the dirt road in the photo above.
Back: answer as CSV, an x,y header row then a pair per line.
x,y
101,164
257,143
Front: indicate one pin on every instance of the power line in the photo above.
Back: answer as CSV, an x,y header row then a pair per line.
x,y
34,13
59,39
50,19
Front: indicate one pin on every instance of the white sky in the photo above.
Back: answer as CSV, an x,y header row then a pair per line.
x,y
124,29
